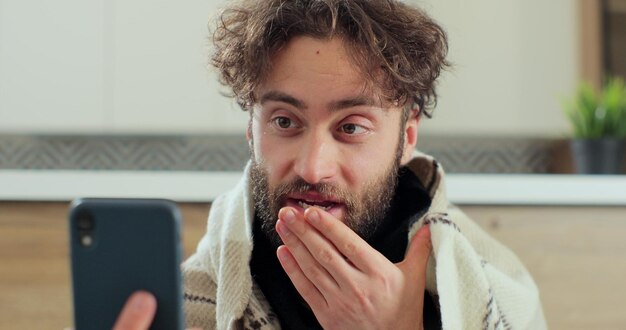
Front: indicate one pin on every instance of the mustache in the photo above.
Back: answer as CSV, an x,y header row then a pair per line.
x,y
299,185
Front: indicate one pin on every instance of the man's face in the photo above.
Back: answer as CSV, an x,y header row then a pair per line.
x,y
320,137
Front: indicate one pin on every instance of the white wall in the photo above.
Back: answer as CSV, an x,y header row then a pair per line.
x,y
109,66
512,61
139,66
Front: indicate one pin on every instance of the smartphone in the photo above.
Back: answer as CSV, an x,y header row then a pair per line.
x,y
119,246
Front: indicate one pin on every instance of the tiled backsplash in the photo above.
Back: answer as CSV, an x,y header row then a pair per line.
x,y
230,153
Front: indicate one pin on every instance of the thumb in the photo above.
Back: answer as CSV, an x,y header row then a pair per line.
x,y
137,313
417,254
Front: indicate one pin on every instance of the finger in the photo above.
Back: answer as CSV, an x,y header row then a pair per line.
x,y
418,252
348,243
317,274
138,312
322,250
303,285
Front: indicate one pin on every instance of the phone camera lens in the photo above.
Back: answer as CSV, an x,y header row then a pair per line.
x,y
84,221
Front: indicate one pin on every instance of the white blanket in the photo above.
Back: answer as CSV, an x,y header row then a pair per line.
x,y
479,283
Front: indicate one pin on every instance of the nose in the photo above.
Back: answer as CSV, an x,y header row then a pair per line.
x,y
317,159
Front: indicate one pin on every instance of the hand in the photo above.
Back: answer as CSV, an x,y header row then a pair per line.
x,y
346,282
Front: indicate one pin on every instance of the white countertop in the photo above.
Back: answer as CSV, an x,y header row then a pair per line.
x,y
467,189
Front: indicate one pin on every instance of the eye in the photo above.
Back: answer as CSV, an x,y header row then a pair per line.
x,y
284,122
352,129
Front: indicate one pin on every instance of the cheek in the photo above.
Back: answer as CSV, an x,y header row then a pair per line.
x,y
381,152
265,147
368,163
273,155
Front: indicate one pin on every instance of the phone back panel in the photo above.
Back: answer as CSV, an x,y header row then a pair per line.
x,y
135,245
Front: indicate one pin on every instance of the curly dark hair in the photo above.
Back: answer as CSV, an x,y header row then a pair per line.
x,y
407,46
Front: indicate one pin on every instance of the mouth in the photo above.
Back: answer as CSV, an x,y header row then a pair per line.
x,y
324,205
327,203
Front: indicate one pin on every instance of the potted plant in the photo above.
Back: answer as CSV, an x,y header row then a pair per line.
x,y
599,123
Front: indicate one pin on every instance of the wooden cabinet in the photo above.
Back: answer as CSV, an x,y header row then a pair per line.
x,y
577,256
35,267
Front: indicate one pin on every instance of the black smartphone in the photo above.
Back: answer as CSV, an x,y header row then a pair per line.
x,y
119,246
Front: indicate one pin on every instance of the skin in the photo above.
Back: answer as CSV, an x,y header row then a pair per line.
x,y
138,312
303,133
347,283
316,119
315,87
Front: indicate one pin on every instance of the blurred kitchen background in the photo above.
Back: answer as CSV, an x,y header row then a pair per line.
x,y
114,98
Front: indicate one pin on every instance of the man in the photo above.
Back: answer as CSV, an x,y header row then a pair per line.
x,y
331,224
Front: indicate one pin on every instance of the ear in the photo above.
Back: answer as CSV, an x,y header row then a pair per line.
x,y
410,136
249,134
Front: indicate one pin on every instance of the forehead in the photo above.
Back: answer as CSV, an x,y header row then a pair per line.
x,y
312,65
318,53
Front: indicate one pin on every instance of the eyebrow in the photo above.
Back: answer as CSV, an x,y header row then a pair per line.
x,y
283,97
351,103
332,106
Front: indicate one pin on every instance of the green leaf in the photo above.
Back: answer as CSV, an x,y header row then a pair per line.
x,y
597,115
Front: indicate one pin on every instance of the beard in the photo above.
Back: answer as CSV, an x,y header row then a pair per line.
x,y
365,210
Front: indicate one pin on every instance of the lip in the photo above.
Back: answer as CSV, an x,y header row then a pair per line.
x,y
314,197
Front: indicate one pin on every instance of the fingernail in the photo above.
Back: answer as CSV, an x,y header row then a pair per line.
x,y
282,254
313,216
290,216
